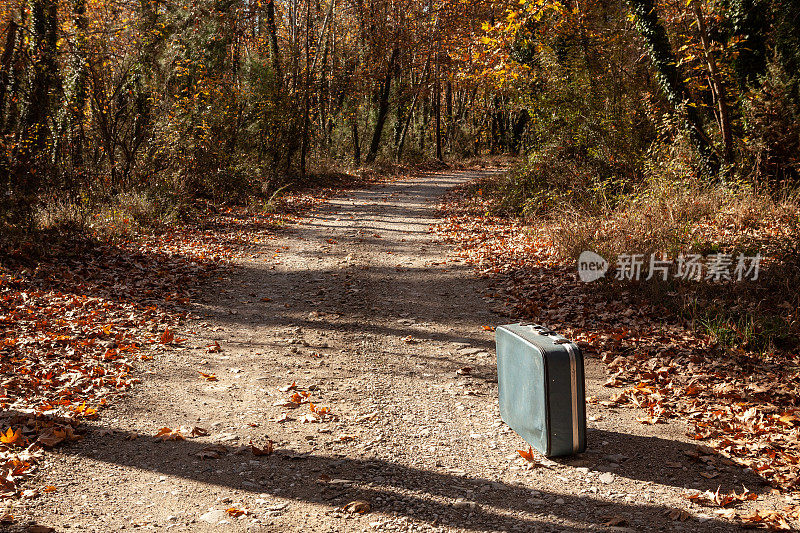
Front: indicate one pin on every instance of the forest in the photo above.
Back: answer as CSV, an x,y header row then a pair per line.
x,y
105,101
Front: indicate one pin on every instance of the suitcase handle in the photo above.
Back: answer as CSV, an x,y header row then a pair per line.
x,y
542,330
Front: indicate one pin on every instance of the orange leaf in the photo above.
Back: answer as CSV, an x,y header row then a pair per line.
x,y
209,377
168,434
214,348
528,456
357,507
319,409
167,337
11,436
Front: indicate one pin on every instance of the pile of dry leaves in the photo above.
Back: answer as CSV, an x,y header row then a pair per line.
x,y
746,406
77,312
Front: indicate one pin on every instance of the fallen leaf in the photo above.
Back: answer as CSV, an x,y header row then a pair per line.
x,y
167,337
357,507
11,436
212,452
680,515
528,455
266,450
615,520
198,432
52,436
234,512
309,417
321,410
207,377
287,388
167,434
214,348
721,499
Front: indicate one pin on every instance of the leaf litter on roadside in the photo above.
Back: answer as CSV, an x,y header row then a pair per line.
x,y
743,405
77,314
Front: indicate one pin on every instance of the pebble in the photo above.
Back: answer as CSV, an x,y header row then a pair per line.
x,y
213,517
606,478
464,504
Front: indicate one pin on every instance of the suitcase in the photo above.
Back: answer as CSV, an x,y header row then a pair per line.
x,y
542,391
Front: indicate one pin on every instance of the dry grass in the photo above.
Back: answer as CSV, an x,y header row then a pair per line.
x,y
673,216
678,217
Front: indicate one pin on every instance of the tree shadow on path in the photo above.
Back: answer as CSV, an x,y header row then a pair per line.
x,y
420,491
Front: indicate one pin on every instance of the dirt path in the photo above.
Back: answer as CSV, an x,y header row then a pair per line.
x,y
372,318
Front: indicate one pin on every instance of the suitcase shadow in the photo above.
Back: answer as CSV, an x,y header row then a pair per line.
x,y
663,461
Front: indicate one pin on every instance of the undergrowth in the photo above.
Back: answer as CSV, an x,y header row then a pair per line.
x,y
670,213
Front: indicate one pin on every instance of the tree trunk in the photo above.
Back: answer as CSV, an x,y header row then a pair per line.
x,y
423,134
717,89
356,141
519,128
79,90
402,141
5,68
383,107
34,125
665,65
423,80
272,28
306,96
448,138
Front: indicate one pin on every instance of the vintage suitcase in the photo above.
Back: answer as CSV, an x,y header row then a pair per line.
x,y
542,391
